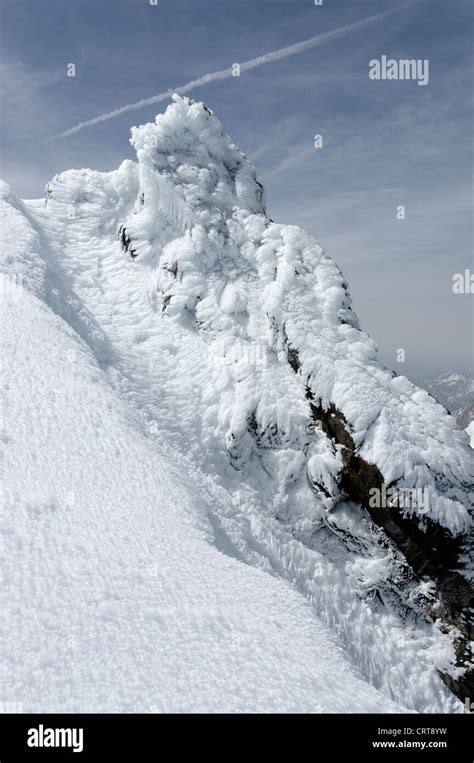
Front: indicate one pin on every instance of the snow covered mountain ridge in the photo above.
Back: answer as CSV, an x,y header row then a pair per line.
x,y
235,339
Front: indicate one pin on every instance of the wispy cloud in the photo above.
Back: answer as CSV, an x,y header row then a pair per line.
x,y
274,55
18,82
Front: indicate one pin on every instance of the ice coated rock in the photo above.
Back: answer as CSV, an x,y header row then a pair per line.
x,y
236,339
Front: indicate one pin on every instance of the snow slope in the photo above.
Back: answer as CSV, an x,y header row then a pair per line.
x,y
187,303
114,597
470,432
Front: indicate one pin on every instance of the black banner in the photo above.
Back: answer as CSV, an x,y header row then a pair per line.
x,y
106,737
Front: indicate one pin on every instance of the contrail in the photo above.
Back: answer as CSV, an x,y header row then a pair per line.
x,y
274,55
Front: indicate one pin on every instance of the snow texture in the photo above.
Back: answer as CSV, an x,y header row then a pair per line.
x,y
174,530
470,432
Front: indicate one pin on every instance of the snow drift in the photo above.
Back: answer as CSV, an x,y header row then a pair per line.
x,y
233,340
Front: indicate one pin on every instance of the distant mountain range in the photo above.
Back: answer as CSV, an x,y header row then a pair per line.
x,y
456,392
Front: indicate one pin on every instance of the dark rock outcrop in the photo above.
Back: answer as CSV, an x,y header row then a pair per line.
x,y
432,552
126,242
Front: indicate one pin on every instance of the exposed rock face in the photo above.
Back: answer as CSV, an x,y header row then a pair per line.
x,y
126,242
433,553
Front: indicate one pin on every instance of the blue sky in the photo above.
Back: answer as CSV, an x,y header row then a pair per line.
x,y
385,143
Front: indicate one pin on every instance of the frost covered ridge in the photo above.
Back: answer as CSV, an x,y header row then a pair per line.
x,y
218,463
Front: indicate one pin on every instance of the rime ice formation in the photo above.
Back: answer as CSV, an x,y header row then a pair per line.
x,y
224,349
